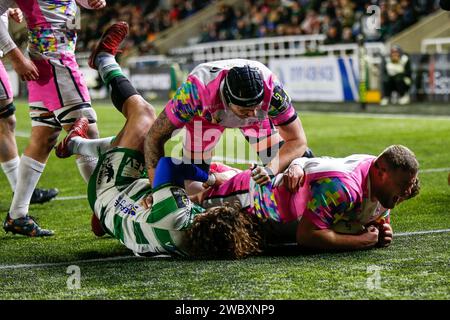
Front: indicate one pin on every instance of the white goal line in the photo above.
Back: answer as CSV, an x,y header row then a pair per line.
x,y
44,265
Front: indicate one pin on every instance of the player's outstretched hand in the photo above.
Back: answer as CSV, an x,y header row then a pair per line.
x,y
386,235
16,14
293,178
260,175
97,4
370,237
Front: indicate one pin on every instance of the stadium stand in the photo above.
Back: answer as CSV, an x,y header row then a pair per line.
x,y
183,33
340,20
146,19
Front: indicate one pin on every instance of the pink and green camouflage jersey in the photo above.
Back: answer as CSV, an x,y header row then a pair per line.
x,y
335,195
200,97
50,24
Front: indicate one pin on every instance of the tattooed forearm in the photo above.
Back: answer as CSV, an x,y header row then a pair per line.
x,y
157,136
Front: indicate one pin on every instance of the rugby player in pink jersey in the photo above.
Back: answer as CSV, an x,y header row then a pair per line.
x,y
233,93
57,91
9,156
342,203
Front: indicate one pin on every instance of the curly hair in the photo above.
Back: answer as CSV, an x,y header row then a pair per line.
x,y
223,232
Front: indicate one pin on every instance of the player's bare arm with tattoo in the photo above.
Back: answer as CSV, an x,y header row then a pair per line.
x,y
157,136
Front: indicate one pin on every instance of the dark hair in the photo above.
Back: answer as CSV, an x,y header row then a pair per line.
x,y
223,232
400,157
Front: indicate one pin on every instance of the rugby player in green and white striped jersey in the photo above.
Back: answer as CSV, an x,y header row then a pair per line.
x,y
118,187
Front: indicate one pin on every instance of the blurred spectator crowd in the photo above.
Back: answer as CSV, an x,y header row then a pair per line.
x,y
145,17
340,20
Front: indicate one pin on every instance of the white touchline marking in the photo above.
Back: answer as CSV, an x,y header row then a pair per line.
x,y
434,170
378,115
70,198
413,233
22,134
44,265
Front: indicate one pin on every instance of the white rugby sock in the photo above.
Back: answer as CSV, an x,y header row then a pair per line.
x,y
90,147
30,171
11,170
106,64
86,166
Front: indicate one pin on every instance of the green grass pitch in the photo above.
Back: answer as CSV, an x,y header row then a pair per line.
x,y
414,267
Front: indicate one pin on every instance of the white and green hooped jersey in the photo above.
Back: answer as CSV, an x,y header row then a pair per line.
x,y
116,190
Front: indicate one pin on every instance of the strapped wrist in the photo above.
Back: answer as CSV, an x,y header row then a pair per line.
x,y
211,179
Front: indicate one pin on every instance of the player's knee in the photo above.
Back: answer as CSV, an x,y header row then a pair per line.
x,y
137,105
50,142
143,117
8,125
43,143
93,132
148,112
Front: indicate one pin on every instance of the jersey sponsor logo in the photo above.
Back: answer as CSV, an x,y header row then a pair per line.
x,y
106,170
135,164
180,197
125,206
280,101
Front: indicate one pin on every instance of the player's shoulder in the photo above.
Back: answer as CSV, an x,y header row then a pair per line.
x,y
209,71
330,164
358,158
351,170
171,207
